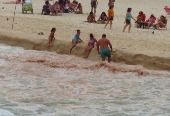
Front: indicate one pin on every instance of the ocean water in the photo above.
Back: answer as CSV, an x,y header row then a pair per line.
x,y
42,83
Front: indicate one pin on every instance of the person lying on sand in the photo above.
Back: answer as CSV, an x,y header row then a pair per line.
x,y
104,50
14,2
51,37
90,46
76,40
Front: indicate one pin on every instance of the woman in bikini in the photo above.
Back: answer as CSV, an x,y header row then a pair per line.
x,y
90,46
102,18
161,22
79,9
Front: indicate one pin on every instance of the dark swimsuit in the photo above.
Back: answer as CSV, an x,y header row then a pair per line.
x,y
93,4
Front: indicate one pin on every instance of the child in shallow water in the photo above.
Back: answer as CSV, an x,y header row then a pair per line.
x,y
51,37
90,46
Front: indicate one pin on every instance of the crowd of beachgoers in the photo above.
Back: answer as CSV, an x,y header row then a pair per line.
x,y
66,6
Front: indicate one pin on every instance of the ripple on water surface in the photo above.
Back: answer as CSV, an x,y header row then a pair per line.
x,y
48,84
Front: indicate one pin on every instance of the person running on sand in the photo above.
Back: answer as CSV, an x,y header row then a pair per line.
x,y
94,6
90,46
76,40
104,49
110,16
51,37
128,19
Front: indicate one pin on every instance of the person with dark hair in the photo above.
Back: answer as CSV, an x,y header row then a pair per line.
x,y
150,21
79,9
90,46
141,19
128,19
161,22
61,4
94,6
46,8
102,18
76,40
111,3
110,16
103,44
91,18
51,37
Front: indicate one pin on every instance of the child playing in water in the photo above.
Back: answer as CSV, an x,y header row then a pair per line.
x,y
110,16
76,40
51,37
90,46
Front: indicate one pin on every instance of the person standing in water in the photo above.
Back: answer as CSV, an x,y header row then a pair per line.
x,y
103,44
90,46
110,17
76,40
128,19
51,37
94,6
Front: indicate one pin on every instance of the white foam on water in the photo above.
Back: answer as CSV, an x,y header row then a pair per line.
x,y
45,83
5,113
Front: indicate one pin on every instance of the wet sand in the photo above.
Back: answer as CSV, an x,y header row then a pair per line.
x,y
138,47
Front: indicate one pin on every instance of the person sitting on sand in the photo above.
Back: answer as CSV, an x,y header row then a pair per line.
x,y
91,18
161,22
141,19
55,8
46,8
79,9
90,46
104,50
110,16
150,21
76,40
14,2
72,6
102,19
51,37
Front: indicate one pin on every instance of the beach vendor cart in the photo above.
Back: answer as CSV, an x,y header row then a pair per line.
x,y
27,6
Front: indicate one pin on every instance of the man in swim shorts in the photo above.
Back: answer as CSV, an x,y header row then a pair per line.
x,y
104,49
94,6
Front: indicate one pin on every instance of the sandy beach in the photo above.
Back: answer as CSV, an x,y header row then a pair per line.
x,y
138,47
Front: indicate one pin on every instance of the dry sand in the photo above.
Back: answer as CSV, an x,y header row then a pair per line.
x,y
138,47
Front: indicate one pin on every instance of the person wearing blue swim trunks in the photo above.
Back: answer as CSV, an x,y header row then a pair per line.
x,y
103,43
76,40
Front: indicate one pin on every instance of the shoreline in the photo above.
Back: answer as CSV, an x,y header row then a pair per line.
x,y
39,42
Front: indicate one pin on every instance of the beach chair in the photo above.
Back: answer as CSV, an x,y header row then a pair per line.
x,y
27,6
167,10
